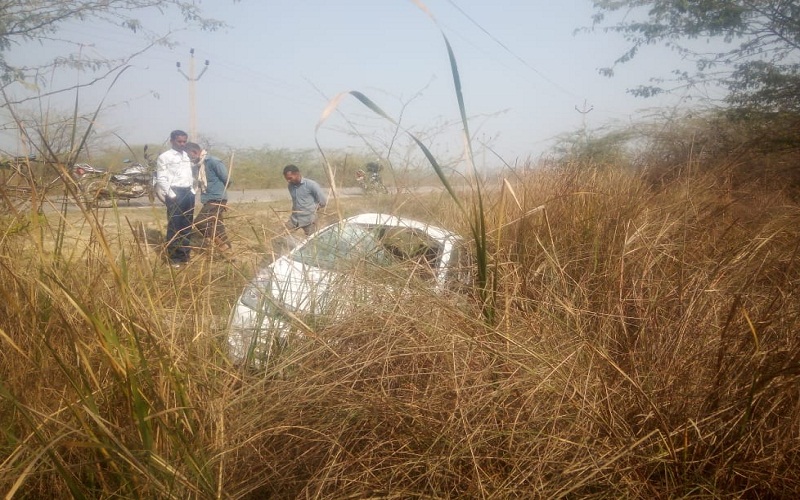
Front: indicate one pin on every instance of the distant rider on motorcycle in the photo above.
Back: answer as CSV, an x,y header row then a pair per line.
x,y
373,168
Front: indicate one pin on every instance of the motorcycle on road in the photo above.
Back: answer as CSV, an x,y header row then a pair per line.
x,y
370,182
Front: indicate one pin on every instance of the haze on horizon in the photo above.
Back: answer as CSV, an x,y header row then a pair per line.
x,y
527,77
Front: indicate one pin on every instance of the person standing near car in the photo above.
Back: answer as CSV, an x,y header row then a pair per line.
x,y
307,197
174,181
212,180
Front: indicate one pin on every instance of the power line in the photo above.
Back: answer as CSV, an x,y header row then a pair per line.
x,y
512,53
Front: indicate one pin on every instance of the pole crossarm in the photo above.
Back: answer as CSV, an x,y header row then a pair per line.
x,y
192,82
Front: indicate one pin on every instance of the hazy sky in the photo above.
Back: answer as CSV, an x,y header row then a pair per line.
x,y
525,74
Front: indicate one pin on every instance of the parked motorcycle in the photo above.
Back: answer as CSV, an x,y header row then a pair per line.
x,y
101,187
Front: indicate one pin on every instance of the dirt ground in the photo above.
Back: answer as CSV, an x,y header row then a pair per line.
x,y
254,227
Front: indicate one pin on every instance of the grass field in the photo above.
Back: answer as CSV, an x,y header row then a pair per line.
x,y
642,342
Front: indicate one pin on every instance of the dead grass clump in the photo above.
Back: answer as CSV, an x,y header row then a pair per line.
x,y
643,344
98,338
665,288
398,401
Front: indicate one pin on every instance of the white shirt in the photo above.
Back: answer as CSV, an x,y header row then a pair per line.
x,y
173,170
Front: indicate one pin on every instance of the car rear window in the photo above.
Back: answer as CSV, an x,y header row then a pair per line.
x,y
340,247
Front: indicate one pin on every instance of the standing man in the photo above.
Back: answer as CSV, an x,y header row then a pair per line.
x,y
307,197
174,187
212,180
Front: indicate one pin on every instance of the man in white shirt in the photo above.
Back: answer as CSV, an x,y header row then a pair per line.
x,y
174,186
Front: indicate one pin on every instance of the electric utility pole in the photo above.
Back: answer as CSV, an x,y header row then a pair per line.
x,y
192,81
584,111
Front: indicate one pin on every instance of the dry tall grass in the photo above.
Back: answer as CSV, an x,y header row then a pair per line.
x,y
643,344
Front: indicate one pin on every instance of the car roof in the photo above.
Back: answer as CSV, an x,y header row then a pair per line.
x,y
379,219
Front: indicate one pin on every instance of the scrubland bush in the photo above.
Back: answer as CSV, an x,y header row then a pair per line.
x,y
738,147
643,343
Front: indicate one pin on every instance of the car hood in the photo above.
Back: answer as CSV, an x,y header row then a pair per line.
x,y
296,287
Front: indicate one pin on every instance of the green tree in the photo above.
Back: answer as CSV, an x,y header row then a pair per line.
x,y
758,63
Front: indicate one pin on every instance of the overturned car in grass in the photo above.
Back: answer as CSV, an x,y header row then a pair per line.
x,y
347,265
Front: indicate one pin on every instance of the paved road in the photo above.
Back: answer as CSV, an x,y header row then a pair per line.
x,y
252,195
234,196
266,195
241,196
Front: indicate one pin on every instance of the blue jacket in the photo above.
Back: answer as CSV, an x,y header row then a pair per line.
x,y
217,178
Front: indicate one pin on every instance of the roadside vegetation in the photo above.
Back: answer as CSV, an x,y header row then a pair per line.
x,y
642,344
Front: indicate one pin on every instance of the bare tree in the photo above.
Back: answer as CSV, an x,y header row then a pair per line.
x,y
57,137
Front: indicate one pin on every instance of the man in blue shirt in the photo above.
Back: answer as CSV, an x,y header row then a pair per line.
x,y
307,197
213,180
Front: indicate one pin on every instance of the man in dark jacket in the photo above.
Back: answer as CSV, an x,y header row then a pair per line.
x,y
212,180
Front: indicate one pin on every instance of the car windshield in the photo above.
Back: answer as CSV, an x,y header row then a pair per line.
x,y
341,247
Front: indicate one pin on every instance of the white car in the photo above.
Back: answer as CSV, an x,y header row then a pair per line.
x,y
346,265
